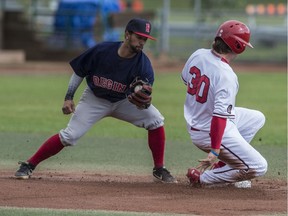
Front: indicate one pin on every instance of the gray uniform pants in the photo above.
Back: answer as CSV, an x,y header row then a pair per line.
x,y
92,109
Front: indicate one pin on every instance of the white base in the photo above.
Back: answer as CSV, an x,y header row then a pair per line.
x,y
243,184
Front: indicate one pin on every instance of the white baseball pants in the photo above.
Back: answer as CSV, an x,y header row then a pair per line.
x,y
243,162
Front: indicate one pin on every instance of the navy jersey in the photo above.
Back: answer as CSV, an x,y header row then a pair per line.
x,y
107,74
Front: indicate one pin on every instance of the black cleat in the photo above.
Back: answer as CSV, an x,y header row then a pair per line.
x,y
25,170
163,175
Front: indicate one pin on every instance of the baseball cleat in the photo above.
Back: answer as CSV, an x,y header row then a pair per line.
x,y
25,170
194,176
163,175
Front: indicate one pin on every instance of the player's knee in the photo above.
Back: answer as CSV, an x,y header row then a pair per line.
x,y
67,138
261,118
154,124
262,168
259,169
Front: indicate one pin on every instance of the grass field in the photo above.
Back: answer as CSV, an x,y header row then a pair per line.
x,y
30,112
50,212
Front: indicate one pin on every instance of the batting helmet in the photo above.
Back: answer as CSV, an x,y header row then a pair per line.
x,y
235,34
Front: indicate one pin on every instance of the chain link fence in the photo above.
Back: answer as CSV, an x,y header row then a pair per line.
x,y
179,32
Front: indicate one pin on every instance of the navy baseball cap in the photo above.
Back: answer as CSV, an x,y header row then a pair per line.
x,y
140,27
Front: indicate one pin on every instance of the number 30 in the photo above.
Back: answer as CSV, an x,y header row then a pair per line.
x,y
199,85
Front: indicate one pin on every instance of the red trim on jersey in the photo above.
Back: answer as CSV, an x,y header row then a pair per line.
x,y
224,116
222,59
216,131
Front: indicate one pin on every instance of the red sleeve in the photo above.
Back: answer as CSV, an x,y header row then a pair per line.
x,y
216,131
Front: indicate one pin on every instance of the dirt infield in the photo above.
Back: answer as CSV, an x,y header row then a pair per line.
x,y
140,194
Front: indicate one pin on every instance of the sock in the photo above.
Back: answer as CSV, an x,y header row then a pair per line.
x,y
156,141
221,164
218,165
49,148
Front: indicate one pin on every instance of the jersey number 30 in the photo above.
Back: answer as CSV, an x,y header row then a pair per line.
x,y
199,85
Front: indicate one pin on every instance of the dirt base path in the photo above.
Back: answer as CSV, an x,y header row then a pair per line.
x,y
139,194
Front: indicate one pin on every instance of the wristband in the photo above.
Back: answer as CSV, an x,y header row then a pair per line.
x,y
213,152
68,97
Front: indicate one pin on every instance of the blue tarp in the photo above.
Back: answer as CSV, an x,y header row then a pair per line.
x,y
76,18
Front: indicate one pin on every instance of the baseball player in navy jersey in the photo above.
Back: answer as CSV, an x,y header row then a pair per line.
x,y
215,125
109,69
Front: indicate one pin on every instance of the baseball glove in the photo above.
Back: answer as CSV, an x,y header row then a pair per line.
x,y
140,94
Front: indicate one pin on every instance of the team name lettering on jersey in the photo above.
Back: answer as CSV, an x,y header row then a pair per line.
x,y
108,84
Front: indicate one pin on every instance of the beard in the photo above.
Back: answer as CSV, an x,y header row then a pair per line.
x,y
136,49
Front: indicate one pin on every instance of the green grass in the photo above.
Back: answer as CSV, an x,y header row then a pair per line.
x,y
30,112
265,53
49,212
32,104
274,53
266,92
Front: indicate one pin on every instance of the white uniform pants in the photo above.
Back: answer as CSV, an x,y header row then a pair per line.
x,y
243,162
92,109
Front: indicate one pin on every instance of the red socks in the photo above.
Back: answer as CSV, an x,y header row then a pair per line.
x,y
221,164
156,141
218,165
49,148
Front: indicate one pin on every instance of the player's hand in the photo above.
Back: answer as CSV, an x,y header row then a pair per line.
x,y
68,107
207,162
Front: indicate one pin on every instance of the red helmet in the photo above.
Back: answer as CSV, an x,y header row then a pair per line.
x,y
235,34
